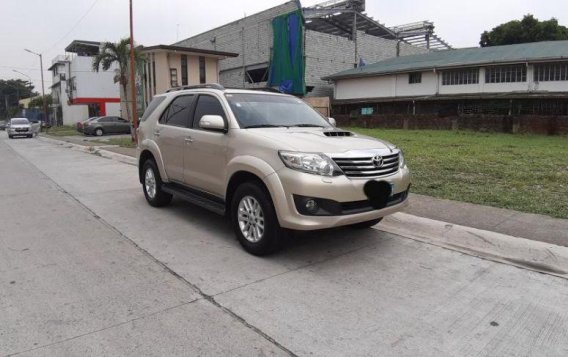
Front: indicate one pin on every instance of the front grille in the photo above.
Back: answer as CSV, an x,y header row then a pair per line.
x,y
365,167
21,130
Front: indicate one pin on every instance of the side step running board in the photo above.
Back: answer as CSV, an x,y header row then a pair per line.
x,y
196,197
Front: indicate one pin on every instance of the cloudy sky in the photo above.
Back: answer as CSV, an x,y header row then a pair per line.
x,y
49,26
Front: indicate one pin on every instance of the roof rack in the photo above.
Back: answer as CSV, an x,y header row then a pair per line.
x,y
199,86
258,89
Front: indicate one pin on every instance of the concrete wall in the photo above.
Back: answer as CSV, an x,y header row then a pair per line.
x,y
91,84
325,54
390,86
328,54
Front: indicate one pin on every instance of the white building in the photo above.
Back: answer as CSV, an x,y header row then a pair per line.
x,y
529,78
77,90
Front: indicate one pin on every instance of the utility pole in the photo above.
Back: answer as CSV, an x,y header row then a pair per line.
x,y
132,80
42,84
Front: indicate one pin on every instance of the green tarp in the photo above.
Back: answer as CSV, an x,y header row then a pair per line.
x,y
287,68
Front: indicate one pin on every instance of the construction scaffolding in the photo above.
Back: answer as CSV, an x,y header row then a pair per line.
x,y
347,17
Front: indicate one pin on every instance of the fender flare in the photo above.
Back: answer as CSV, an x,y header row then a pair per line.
x,y
152,147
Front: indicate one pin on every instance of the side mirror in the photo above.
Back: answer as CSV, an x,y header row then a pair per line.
x,y
212,122
332,121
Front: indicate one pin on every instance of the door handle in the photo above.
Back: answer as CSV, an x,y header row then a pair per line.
x,y
156,133
188,140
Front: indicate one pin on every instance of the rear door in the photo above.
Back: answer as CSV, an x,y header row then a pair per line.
x,y
170,134
205,150
106,124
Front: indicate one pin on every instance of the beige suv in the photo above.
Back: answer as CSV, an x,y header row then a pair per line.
x,y
266,160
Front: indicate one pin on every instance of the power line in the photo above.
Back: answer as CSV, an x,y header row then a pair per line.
x,y
74,26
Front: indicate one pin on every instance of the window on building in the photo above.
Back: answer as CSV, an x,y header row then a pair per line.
x,y
207,105
551,72
173,77
179,111
367,111
506,74
202,78
460,77
257,74
184,70
415,78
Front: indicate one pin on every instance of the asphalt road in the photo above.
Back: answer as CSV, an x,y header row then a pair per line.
x,y
88,268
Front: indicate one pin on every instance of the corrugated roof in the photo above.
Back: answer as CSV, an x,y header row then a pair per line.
x,y
526,52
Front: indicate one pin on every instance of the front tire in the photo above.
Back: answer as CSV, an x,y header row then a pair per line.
x,y
11,136
99,132
254,220
152,185
367,224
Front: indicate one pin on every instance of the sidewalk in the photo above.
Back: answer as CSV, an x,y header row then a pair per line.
x,y
514,223
525,225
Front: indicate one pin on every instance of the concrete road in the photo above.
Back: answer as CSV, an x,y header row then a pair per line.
x,y
88,268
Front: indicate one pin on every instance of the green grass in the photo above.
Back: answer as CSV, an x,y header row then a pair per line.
x,y
526,173
122,142
65,130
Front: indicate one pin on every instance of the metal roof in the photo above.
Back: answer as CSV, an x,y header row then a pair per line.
x,y
186,50
526,52
84,47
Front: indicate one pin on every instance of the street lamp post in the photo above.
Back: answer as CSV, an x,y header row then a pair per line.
x,y
42,84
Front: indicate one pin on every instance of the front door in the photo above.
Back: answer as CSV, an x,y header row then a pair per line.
x,y
170,134
206,151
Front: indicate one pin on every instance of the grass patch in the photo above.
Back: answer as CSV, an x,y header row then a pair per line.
x,y
65,130
122,142
526,173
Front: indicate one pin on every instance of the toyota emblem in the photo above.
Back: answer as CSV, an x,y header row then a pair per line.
x,y
378,161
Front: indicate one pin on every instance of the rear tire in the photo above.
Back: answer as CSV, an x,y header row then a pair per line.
x,y
368,224
254,220
152,185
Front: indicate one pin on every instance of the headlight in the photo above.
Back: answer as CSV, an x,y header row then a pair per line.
x,y
312,163
401,160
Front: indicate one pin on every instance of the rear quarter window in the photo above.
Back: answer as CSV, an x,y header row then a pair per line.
x,y
152,106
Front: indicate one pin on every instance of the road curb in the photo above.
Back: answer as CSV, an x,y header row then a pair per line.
x,y
538,256
92,149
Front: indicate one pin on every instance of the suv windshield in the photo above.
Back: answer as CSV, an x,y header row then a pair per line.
x,y
264,110
20,121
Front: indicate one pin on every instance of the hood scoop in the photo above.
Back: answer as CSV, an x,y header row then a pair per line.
x,y
337,133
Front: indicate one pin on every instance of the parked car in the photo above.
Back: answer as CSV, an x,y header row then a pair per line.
x,y
106,125
3,124
82,124
20,127
268,161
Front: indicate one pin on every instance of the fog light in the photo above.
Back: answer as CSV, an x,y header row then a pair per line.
x,y
311,205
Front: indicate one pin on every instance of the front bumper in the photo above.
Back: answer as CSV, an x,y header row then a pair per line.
x,y
19,132
286,184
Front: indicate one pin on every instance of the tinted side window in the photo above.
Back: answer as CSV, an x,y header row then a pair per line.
x,y
207,105
105,120
179,111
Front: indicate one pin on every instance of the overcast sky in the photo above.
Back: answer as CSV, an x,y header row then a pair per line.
x,y
49,26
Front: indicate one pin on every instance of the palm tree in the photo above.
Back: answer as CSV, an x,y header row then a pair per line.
x,y
118,53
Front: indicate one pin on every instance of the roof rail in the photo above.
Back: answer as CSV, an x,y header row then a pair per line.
x,y
199,86
258,89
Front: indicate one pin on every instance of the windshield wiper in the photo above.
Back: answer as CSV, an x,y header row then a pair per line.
x,y
308,126
265,126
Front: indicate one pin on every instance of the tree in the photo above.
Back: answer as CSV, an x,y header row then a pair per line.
x,y
11,91
38,101
529,29
118,53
